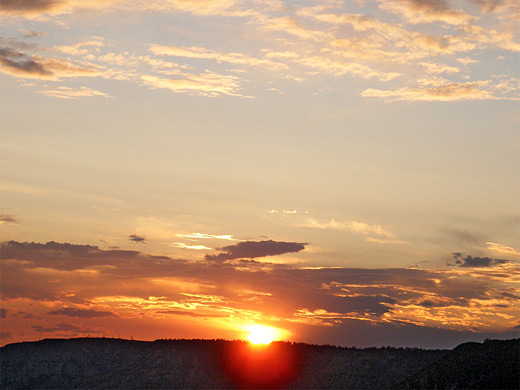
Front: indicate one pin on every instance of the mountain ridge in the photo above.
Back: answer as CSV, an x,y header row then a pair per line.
x,y
218,364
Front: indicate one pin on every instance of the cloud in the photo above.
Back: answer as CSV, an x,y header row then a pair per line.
x,y
340,68
142,290
470,261
448,92
467,61
509,8
207,84
30,6
19,64
37,8
136,238
290,25
22,65
32,34
187,246
81,48
228,237
202,53
433,68
254,249
73,93
347,226
81,313
502,249
275,211
201,7
426,11
4,218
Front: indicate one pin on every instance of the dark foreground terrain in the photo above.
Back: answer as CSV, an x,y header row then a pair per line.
x,y
216,364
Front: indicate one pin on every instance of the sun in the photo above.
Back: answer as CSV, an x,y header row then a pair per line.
x,y
261,334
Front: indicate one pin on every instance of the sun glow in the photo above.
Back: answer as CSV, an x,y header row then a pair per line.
x,y
262,334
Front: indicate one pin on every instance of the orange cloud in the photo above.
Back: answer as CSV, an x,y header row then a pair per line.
x,y
206,84
91,290
19,64
502,249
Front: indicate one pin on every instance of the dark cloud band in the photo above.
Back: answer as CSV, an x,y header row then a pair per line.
x,y
254,249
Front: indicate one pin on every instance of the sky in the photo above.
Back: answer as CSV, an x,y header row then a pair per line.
x,y
345,172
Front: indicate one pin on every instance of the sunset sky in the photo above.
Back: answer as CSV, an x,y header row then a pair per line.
x,y
346,172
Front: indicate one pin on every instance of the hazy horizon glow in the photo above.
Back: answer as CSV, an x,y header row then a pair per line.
x,y
345,172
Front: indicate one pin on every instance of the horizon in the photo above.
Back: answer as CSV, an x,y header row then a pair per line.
x,y
318,171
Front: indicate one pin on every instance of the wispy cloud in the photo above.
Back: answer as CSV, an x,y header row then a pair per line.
x,y
182,245
5,218
446,92
291,26
502,249
347,226
81,313
19,64
208,84
434,68
202,53
73,93
298,43
228,237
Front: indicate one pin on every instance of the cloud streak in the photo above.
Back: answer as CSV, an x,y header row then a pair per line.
x,y
445,93
80,313
19,64
347,226
135,238
255,249
5,218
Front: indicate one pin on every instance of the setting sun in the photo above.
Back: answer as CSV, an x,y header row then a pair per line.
x,y
262,334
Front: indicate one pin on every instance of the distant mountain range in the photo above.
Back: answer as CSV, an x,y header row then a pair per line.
x,y
96,363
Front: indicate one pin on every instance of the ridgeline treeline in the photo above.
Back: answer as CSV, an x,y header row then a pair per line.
x,y
217,364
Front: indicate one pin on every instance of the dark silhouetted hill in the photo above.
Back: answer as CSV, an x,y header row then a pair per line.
x,y
495,364
96,363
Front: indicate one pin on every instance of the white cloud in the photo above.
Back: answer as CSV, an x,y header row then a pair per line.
x,y
347,226
186,246
228,237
